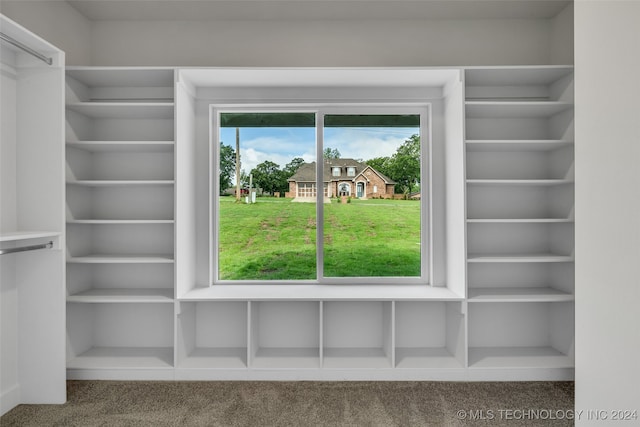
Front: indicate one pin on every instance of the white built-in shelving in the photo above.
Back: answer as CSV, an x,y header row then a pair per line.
x,y
139,299
520,228
32,275
120,218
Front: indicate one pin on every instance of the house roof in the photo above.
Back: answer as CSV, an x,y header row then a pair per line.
x,y
307,171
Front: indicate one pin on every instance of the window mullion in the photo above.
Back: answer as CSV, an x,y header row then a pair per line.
x,y
319,196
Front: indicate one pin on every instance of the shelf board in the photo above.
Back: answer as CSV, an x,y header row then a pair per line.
x,y
514,294
123,358
514,109
120,221
126,146
307,292
16,236
520,258
119,183
216,358
111,295
356,358
519,220
425,358
123,110
120,259
283,358
518,357
517,145
523,182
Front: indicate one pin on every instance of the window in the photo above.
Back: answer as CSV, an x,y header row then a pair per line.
x,y
363,228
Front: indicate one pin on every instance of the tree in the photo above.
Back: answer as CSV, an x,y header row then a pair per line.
x,y
292,167
404,167
227,166
381,164
268,177
331,153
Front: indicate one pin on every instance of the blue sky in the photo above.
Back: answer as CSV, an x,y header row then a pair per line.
x,y
280,145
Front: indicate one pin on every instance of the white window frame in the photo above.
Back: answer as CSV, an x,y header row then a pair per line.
x,y
426,123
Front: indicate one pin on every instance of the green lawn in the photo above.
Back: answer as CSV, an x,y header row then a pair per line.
x,y
275,239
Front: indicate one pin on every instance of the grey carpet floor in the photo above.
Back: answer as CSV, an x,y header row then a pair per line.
x,y
238,403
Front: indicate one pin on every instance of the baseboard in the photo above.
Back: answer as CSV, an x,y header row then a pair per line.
x,y
9,399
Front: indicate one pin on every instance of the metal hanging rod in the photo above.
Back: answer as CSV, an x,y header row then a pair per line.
x,y
26,48
48,245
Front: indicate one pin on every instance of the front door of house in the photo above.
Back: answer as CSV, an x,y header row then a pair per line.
x,y
360,189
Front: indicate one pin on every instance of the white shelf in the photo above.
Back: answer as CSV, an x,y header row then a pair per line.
x,y
514,109
355,358
517,145
520,258
516,76
16,236
124,110
523,182
425,358
116,183
518,357
285,358
120,221
121,259
515,294
127,146
321,292
519,220
123,358
123,295
216,358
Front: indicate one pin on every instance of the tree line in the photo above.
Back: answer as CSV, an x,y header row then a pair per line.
x,y
403,167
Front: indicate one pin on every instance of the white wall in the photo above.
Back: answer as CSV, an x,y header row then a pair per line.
x,y
322,43
607,39
56,22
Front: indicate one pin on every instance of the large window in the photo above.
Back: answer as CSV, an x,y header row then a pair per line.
x,y
272,225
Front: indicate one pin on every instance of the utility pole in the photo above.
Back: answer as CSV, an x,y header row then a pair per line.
x,y
237,164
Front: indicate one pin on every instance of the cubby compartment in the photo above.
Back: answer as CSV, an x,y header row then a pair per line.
x,y
84,165
521,335
502,122
120,203
212,335
429,335
520,239
521,165
284,334
118,124
488,201
119,84
120,240
495,282
358,334
120,336
118,283
519,84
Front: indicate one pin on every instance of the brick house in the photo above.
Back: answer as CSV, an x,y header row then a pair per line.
x,y
342,177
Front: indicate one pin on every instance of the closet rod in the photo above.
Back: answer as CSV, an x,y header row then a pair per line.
x,y
26,248
26,48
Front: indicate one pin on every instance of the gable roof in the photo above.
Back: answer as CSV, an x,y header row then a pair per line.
x,y
307,171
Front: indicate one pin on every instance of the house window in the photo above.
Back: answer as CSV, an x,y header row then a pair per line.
x,y
280,238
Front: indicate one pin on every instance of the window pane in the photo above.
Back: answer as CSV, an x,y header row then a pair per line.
x,y
275,237
372,225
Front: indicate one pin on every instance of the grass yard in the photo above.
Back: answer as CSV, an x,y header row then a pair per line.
x,y
275,239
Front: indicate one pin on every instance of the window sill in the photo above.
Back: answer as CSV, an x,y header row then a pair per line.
x,y
321,292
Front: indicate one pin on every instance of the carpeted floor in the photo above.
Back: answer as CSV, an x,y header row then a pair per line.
x,y
296,404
